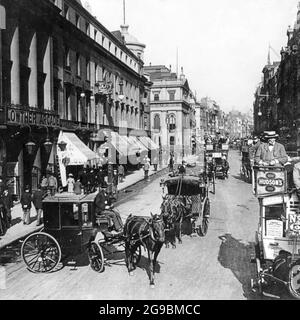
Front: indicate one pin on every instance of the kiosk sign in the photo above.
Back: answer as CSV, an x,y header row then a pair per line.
x,y
268,182
294,224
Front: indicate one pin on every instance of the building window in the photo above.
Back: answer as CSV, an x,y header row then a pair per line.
x,y
55,52
109,45
156,124
87,28
171,95
116,51
171,122
121,55
77,20
66,11
67,58
156,96
88,70
95,34
78,67
126,58
103,40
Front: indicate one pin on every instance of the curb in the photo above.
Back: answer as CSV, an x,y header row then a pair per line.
x,y
21,236
153,174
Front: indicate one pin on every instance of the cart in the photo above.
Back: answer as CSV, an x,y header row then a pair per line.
x,y
192,193
71,227
220,158
277,248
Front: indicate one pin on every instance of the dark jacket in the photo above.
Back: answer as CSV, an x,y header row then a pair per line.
x,y
99,201
77,187
26,200
278,153
37,199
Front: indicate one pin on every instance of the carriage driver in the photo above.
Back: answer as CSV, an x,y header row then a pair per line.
x,y
270,153
102,207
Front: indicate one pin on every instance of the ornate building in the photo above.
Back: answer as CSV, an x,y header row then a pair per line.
x,y
63,71
172,111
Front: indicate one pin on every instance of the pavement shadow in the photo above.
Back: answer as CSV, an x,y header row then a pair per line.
x,y
235,255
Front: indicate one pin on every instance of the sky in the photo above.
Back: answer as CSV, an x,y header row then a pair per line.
x,y
222,44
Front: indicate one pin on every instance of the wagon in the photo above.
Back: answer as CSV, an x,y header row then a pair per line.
x,y
277,248
71,227
193,191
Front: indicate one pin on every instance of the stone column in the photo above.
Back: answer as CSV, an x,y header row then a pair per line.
x,y
32,83
48,79
15,69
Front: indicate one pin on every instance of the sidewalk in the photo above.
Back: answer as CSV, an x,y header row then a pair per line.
x,y
18,230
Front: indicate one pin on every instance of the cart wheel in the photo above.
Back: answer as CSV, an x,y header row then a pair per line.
x,y
294,280
40,252
96,257
137,256
202,230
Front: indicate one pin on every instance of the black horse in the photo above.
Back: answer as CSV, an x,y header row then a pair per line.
x,y
173,211
149,232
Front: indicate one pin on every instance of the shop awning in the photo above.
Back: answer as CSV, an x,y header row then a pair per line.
x,y
116,141
137,144
149,143
76,152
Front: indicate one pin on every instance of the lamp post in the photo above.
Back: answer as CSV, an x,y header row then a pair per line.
x,y
121,95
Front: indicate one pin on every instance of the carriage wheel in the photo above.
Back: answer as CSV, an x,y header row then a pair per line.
x,y
202,230
137,256
294,280
96,257
40,252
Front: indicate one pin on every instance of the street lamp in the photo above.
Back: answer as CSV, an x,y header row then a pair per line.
x,y
30,145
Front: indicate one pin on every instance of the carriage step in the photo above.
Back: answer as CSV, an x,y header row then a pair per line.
x,y
72,264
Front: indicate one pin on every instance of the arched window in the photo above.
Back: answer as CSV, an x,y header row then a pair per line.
x,y
156,122
171,122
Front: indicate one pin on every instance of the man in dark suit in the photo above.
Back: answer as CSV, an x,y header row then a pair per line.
x,y
270,153
102,206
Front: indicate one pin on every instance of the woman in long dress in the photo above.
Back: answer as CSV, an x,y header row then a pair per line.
x,y
70,183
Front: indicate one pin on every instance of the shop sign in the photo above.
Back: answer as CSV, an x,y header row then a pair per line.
x,y
294,223
20,116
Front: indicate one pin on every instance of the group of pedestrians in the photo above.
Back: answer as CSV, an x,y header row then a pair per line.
x,y
6,204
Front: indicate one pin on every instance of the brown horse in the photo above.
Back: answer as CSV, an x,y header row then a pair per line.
x,y
145,231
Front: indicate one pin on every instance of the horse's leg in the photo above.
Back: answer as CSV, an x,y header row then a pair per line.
x,y
128,258
156,252
151,267
179,230
173,237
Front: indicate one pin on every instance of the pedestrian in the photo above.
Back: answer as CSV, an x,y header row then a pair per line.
x,y
77,187
121,171
44,185
8,204
26,204
52,184
155,163
115,184
70,183
146,169
37,199
182,167
3,224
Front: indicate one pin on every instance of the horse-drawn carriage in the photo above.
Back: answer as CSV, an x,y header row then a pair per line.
x,y
186,200
277,249
72,227
209,166
218,158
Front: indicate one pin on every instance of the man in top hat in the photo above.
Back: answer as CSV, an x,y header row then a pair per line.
x,y
270,153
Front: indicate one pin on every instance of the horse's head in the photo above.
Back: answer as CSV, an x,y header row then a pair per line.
x,y
157,228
